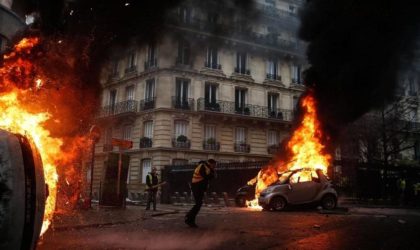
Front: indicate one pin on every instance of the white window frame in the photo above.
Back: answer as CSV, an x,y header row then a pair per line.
x,y
180,128
127,132
272,137
240,135
209,131
146,168
149,88
148,129
129,93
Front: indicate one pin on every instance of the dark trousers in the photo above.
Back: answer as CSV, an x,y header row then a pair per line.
x,y
151,197
198,190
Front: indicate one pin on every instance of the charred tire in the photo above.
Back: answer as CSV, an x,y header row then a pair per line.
x,y
240,201
278,203
329,202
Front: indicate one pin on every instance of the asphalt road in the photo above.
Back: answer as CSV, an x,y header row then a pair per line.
x,y
234,228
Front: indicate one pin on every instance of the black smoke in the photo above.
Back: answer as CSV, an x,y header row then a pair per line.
x,y
356,50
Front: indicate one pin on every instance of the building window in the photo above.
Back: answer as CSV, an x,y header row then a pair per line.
x,y
411,87
146,169
181,94
240,100
127,133
183,52
112,101
181,128
241,63
211,58
296,74
272,68
151,60
129,93
210,93
185,14
295,103
213,17
148,129
273,137
272,104
149,92
240,135
131,62
114,69
209,132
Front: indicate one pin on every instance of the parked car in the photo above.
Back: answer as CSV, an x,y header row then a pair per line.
x,y
297,187
244,194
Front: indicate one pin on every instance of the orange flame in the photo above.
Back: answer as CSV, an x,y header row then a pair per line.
x,y
16,118
305,146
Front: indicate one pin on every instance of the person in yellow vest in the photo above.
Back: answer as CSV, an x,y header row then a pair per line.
x,y
203,173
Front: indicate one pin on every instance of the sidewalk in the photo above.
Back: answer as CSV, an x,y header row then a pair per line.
x,y
102,216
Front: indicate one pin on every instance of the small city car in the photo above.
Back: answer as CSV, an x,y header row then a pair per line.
x,y
301,186
244,194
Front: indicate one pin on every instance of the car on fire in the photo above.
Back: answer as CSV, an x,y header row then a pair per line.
x,y
296,187
244,194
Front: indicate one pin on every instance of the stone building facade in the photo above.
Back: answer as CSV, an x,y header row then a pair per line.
x,y
206,89
10,22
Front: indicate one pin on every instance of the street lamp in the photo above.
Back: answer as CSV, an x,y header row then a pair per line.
x,y
94,134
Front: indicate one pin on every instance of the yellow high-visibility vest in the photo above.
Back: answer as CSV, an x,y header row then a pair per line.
x,y
197,176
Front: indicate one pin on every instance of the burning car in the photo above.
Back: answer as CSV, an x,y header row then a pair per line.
x,y
244,194
301,186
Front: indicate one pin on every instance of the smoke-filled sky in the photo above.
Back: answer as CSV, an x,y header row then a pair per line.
x,y
356,50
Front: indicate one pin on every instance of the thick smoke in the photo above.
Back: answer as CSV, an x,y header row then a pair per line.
x,y
356,50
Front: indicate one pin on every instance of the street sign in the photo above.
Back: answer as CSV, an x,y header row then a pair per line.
x,y
122,144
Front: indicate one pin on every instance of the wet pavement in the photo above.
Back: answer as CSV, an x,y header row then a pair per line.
x,y
236,228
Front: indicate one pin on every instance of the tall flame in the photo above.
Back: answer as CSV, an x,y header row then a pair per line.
x,y
16,117
305,147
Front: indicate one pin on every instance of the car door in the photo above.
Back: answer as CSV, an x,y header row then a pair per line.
x,y
303,188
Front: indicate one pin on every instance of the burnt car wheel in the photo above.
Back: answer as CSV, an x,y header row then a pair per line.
x,y
329,202
240,201
278,203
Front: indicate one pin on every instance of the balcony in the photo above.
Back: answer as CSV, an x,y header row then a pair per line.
x,y
146,142
125,107
181,143
242,71
272,149
227,107
182,103
107,148
296,81
212,65
211,145
182,63
130,70
273,77
147,104
150,64
242,147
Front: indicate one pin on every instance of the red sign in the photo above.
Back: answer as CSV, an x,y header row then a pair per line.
x,y
123,144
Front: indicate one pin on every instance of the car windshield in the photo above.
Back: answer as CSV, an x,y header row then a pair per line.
x,y
284,177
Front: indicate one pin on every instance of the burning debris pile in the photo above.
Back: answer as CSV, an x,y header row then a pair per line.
x,y
40,98
305,149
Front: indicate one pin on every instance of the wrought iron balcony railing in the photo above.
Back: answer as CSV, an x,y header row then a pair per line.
x,y
212,65
146,142
246,110
182,103
296,81
272,149
150,64
242,147
148,103
181,144
182,62
242,71
131,69
273,77
129,106
215,146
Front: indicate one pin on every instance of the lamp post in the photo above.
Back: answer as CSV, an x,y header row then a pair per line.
x,y
94,134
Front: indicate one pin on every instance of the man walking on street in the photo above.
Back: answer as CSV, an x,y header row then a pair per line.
x,y
152,182
203,173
